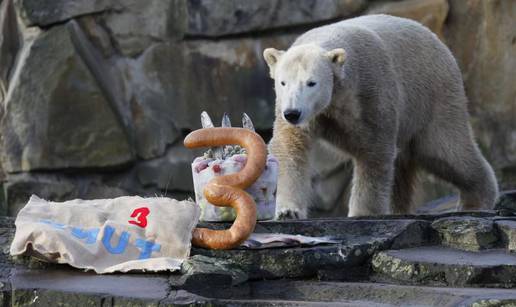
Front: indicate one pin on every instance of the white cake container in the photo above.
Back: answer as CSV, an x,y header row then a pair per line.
x,y
263,190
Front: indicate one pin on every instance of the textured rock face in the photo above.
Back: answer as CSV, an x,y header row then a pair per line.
x,y
56,187
215,18
469,234
9,44
172,171
42,13
215,76
56,116
431,13
507,231
138,24
100,93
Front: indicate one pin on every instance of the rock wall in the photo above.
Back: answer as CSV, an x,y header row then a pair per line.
x,y
97,95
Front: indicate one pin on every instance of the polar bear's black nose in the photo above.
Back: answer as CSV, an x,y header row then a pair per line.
x,y
292,115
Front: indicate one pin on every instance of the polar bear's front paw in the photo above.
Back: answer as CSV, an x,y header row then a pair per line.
x,y
290,214
289,208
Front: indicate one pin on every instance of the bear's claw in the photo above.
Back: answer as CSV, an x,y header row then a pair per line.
x,y
288,214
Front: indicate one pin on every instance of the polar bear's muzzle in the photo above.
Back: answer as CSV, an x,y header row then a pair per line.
x,y
292,115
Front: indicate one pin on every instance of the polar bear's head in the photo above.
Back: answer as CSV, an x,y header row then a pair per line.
x,y
303,77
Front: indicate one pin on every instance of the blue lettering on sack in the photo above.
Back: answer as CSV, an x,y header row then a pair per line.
x,y
90,236
122,243
53,224
147,248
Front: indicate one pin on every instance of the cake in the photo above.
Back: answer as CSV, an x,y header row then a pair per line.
x,y
263,190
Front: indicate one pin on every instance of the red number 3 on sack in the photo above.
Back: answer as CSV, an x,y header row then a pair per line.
x,y
140,216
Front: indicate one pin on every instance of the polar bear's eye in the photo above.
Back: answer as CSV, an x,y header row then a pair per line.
x,y
311,83
283,83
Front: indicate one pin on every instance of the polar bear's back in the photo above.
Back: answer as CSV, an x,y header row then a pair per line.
x,y
382,46
406,42
395,33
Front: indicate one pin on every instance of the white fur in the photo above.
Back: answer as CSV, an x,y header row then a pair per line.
x,y
388,93
301,65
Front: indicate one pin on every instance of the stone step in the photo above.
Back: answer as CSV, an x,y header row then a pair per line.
x,y
434,265
333,261
288,293
507,231
466,232
75,288
286,303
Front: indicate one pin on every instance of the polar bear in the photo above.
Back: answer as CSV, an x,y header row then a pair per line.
x,y
387,92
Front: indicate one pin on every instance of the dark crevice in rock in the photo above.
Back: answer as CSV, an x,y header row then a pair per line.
x,y
102,24
10,45
50,26
108,170
46,27
136,55
106,301
105,80
169,292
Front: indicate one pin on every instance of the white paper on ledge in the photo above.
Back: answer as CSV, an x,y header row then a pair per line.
x,y
271,240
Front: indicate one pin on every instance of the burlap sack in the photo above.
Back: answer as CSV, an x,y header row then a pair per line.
x,y
108,235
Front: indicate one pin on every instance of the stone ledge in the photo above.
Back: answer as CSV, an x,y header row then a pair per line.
x,y
390,256
468,233
433,265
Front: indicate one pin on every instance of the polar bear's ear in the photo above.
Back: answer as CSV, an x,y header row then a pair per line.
x,y
272,56
337,56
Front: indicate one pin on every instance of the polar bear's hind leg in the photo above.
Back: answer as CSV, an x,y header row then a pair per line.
x,y
449,152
